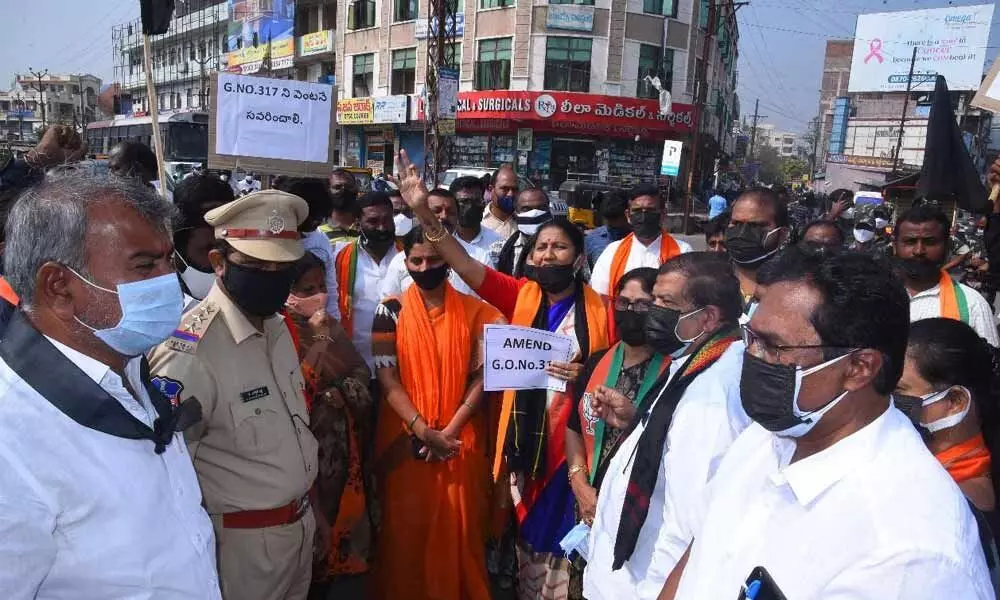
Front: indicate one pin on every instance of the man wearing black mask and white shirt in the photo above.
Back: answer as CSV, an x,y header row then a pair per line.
x,y
831,490
98,497
757,229
531,212
469,193
653,491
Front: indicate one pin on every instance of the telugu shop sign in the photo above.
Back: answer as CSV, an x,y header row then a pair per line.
x,y
569,111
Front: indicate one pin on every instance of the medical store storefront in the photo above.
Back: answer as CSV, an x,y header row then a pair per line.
x,y
554,136
372,128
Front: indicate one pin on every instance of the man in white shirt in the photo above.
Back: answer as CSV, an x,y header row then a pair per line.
x,y
758,227
831,490
499,214
649,245
469,192
361,267
98,496
697,298
317,195
248,185
921,249
397,277
531,212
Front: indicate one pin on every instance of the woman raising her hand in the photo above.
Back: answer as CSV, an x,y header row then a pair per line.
x,y
532,426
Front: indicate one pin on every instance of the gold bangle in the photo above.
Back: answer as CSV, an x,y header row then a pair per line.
x,y
430,237
574,470
413,421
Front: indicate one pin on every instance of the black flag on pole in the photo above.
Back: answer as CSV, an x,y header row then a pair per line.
x,y
156,16
948,171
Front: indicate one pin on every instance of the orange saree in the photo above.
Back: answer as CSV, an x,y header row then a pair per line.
x,y
434,527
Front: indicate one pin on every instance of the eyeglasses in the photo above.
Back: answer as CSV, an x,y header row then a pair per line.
x,y
639,306
761,348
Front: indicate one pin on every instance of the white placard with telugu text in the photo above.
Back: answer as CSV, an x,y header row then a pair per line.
x,y
273,118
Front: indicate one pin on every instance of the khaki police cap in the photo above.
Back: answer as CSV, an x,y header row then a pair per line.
x,y
263,225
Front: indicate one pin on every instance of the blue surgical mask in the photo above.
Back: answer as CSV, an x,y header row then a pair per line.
x,y
151,311
506,203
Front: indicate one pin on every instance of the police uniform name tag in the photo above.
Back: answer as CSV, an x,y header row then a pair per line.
x,y
515,358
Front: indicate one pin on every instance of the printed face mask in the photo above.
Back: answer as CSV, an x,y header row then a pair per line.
x,y
528,222
151,311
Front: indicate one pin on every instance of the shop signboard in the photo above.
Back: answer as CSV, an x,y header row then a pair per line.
x,y
670,164
260,30
950,41
617,116
876,162
316,43
446,127
424,28
355,111
447,93
525,137
389,109
570,16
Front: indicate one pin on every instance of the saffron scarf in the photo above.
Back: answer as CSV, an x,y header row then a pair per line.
x,y
347,274
668,250
7,293
606,373
649,450
954,304
965,461
592,335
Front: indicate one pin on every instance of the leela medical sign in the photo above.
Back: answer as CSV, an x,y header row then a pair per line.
x,y
515,358
273,118
950,41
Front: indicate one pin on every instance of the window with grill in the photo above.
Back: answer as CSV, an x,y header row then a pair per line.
x,y
667,8
567,64
361,14
493,64
654,62
580,2
363,75
453,56
404,10
404,71
495,3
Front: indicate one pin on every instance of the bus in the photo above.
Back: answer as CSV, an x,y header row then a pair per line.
x,y
184,135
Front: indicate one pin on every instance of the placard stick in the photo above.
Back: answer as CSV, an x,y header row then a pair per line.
x,y
995,193
154,111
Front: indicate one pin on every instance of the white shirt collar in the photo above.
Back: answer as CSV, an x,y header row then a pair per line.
x,y
813,475
934,291
654,244
92,367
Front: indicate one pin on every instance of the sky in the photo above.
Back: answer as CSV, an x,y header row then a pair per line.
x,y
781,45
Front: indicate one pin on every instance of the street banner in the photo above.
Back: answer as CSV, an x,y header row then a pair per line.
x,y
515,358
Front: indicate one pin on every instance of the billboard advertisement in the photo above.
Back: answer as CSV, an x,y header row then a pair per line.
x,y
260,29
950,41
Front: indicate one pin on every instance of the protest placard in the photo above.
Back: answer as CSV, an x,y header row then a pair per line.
x,y
275,126
988,96
515,358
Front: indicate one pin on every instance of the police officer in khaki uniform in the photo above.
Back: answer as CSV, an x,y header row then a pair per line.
x,y
253,451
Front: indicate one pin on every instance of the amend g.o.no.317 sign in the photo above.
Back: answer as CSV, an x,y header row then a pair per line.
x,y
273,118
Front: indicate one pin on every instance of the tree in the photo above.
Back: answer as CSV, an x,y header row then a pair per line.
x,y
770,165
792,169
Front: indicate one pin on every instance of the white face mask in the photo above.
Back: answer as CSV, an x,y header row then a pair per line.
x,y
198,283
950,420
810,419
864,235
404,224
881,223
687,343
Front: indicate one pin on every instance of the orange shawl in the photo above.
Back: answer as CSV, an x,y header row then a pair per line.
x,y
432,543
7,293
529,300
967,460
668,250
952,299
347,270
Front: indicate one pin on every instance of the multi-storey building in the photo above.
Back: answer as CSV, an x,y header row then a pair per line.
x,y
558,89
33,101
836,73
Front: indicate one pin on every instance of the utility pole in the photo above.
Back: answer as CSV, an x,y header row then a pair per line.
x,y
902,119
701,93
41,94
812,165
753,129
440,39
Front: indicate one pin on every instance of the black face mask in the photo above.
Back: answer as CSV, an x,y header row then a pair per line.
x,y
376,237
430,279
551,278
470,213
745,244
631,327
661,324
259,293
917,269
645,224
